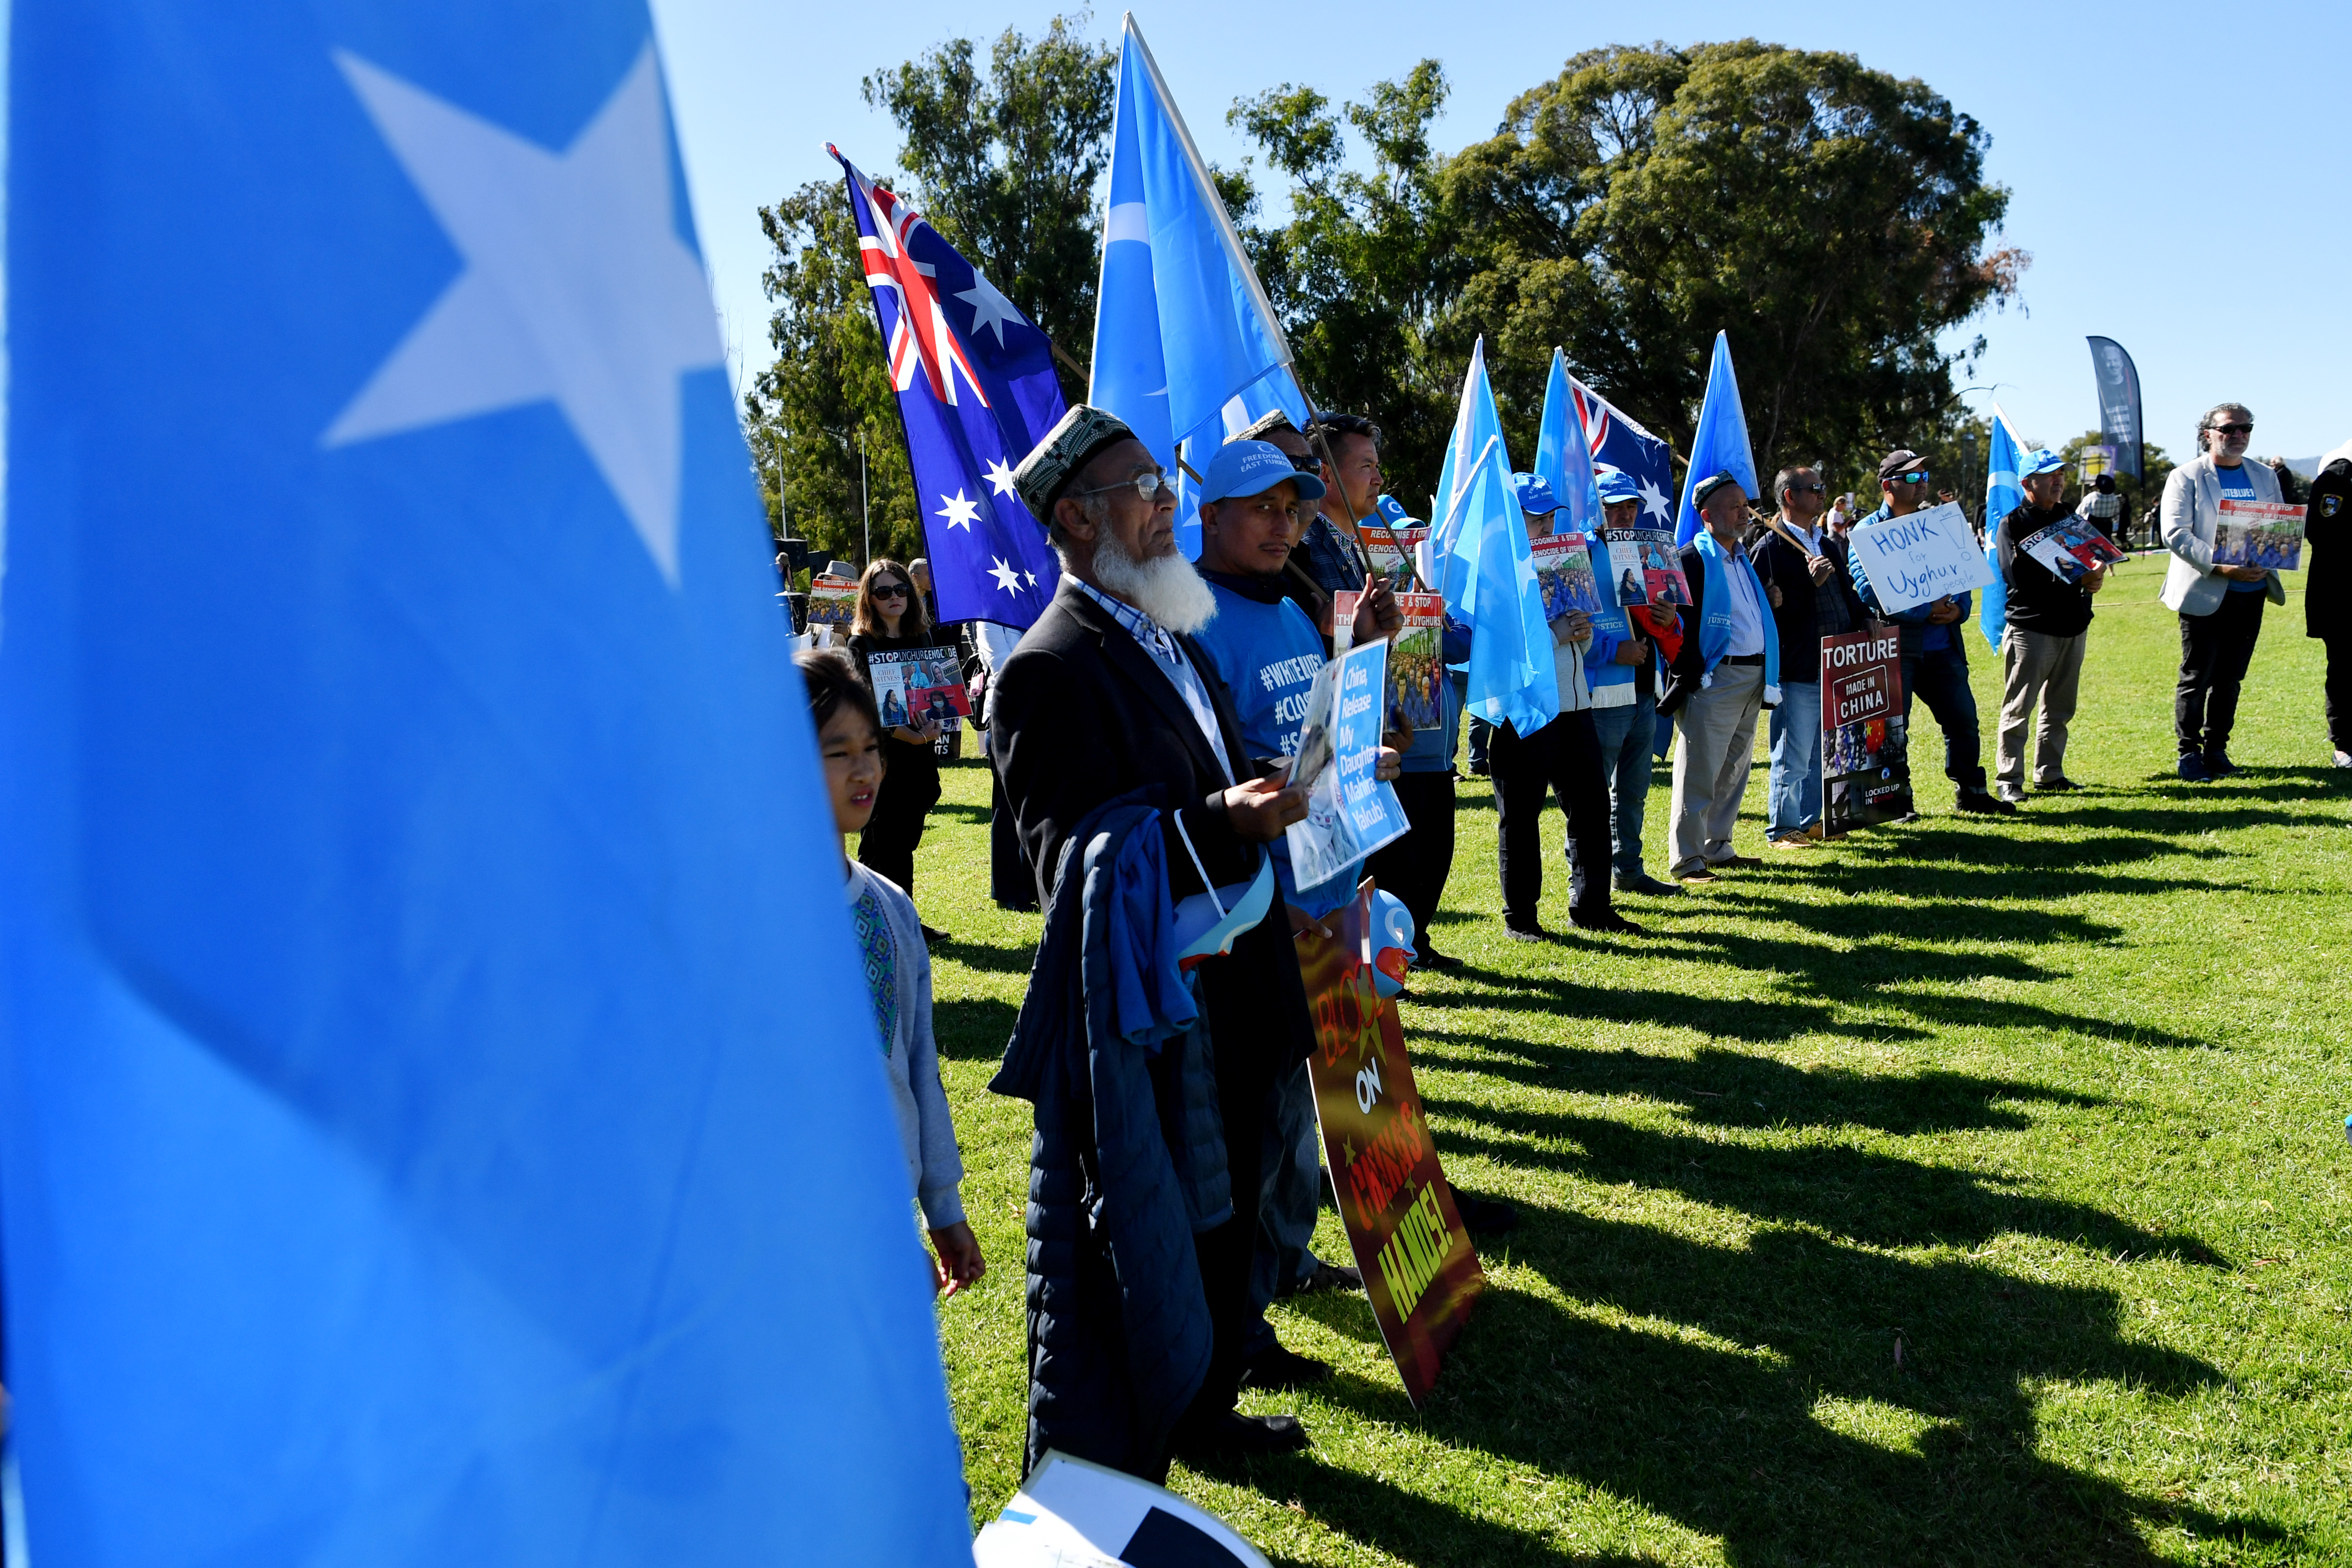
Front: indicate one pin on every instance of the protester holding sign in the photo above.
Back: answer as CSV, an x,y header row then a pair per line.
x,y
1267,654
1935,656
2048,625
1727,671
2220,607
890,618
1626,698
1108,699
1798,559
1564,757
2327,615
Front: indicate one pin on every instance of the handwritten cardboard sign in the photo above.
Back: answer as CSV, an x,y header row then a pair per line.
x,y
1921,558
1419,1269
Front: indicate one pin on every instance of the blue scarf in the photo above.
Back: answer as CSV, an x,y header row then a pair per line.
x,y
1715,625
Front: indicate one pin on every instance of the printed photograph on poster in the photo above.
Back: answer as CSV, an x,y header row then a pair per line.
x,y
1564,573
1644,567
1917,560
2071,548
1416,657
915,684
1866,751
1350,812
831,603
1421,1273
2259,534
1392,551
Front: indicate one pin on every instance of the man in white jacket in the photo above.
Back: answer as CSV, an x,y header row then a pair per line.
x,y
2220,607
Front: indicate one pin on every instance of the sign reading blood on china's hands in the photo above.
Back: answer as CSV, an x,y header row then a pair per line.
x,y
1419,1269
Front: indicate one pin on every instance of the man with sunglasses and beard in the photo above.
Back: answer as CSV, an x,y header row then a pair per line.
x,y
1109,695
1935,658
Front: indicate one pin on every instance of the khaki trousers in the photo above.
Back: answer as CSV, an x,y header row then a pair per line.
x,y
1715,746
2036,667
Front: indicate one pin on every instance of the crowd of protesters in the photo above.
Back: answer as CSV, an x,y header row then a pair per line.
x,y
1140,733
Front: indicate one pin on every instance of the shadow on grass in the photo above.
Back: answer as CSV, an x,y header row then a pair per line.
x,y
1736,1402
974,1029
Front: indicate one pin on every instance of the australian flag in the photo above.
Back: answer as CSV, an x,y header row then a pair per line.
x,y
1623,444
976,391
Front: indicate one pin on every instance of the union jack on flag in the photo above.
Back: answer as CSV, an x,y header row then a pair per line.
x,y
1619,441
976,391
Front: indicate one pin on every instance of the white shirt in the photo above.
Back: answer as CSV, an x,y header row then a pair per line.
x,y
1746,612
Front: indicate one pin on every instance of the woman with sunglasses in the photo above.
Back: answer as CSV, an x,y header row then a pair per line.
x,y
890,617
2220,607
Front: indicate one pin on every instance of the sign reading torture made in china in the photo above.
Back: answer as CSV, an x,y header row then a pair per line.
x,y
1419,1269
1865,750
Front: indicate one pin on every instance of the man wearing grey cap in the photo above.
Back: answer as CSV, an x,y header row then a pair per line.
x,y
1107,697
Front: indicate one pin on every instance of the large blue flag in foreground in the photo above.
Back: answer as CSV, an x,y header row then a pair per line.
x,y
976,391
1720,444
1187,348
2003,495
435,1123
1477,556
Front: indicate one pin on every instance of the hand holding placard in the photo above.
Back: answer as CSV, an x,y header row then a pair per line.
x,y
1915,559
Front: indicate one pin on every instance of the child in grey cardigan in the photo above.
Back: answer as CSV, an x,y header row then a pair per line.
x,y
896,967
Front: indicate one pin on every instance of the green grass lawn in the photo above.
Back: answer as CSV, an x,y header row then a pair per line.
x,y
1966,1191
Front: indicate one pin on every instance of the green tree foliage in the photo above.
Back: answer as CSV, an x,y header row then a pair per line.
x,y
1834,219
1366,270
1004,166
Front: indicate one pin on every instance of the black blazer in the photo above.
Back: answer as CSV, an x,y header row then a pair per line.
x,y
1083,715
2327,548
1781,564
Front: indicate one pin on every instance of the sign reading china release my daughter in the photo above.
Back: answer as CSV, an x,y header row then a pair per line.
x,y
1919,559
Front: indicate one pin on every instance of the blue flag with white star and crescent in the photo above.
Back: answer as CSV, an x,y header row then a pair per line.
x,y
433,1126
975,399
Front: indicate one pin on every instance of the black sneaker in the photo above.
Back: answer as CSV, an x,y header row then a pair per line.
x,y
1330,1277
1428,957
1609,921
1980,804
933,936
1276,1367
2218,764
2192,767
2055,786
1229,1434
1645,883
1526,933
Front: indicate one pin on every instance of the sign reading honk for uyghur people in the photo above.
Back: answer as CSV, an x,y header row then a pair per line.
x,y
1918,559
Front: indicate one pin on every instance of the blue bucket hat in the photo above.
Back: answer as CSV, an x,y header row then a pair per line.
x,y
1534,493
1616,485
2041,460
1252,468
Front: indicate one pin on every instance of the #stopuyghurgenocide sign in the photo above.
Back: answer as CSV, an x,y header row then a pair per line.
x,y
1419,1269
1865,760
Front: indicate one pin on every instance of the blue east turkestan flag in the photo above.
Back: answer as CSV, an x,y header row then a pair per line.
x,y
1720,444
1619,441
1186,345
1564,455
441,1117
976,391
2003,495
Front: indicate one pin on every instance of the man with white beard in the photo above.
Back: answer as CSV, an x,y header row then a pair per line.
x,y
1109,695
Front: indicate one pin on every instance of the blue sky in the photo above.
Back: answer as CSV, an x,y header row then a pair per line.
x,y
2213,128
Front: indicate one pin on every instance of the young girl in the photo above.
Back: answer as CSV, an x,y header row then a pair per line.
x,y
898,968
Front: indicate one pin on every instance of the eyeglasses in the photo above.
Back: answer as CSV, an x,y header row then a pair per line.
x,y
1809,489
1918,479
1148,485
1306,463
2246,429
889,590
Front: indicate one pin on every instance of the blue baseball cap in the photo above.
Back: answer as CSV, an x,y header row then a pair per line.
x,y
1252,468
1616,485
1534,492
2041,460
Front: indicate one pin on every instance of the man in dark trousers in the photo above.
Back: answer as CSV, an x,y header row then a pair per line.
x,y
2327,578
1107,694
2048,625
1804,571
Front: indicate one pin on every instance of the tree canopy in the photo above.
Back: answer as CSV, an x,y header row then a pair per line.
x,y
1834,219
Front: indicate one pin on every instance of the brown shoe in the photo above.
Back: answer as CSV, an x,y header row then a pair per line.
x,y
1701,875
1793,841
